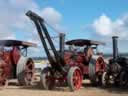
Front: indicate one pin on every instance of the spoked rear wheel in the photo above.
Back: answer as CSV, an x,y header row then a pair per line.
x,y
3,78
74,78
47,79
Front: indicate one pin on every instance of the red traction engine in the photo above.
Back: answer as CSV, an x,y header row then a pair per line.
x,y
14,63
68,66
84,54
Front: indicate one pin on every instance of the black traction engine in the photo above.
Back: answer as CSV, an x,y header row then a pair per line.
x,y
117,68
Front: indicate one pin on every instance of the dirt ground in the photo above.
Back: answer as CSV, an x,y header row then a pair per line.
x,y
35,90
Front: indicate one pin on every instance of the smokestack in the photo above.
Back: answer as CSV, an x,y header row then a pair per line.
x,y
62,43
115,47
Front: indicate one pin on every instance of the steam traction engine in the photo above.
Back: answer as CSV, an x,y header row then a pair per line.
x,y
68,66
14,63
117,69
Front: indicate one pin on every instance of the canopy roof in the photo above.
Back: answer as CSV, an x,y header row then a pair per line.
x,y
83,42
16,43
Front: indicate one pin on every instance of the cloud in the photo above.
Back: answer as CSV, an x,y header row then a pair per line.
x,y
104,26
51,15
53,18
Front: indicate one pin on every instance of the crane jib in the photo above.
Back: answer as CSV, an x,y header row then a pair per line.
x,y
57,62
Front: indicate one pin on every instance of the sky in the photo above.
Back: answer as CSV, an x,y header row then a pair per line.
x,y
88,19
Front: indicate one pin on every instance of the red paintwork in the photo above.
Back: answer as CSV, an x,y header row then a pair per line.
x,y
9,58
4,70
15,55
79,59
100,65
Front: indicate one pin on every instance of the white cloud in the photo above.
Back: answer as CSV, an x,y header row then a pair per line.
x,y
51,15
104,26
53,18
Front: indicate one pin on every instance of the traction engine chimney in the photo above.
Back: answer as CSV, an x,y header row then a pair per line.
x,y
62,43
115,47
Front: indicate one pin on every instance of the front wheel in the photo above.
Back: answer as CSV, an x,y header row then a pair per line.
x,y
46,79
74,78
